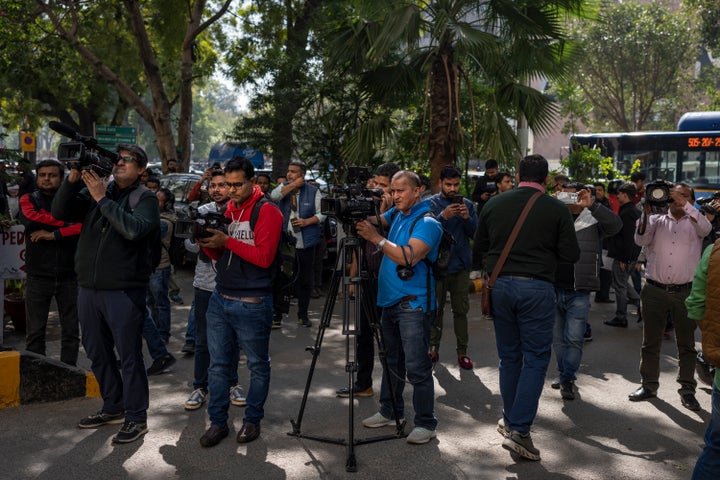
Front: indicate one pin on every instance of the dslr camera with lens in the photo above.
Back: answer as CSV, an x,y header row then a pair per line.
x,y
195,225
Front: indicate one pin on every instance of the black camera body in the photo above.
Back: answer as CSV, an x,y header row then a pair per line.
x,y
196,224
76,155
352,202
84,153
657,193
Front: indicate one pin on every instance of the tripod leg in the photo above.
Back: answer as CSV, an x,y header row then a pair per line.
x,y
315,349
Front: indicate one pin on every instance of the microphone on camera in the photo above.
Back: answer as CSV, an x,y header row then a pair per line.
x,y
70,132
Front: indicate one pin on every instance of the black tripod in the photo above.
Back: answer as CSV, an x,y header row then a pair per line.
x,y
350,247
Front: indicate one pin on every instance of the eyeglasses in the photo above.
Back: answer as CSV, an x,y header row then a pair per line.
x,y
237,185
128,159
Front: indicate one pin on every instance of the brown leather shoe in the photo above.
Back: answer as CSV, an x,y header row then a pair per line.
x,y
213,436
248,432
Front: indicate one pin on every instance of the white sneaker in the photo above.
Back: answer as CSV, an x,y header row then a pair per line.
x,y
421,435
236,396
196,399
475,274
378,420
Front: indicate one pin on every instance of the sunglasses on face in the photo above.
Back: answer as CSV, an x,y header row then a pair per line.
x,y
128,159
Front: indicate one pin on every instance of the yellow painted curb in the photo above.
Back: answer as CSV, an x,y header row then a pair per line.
x,y
9,379
92,388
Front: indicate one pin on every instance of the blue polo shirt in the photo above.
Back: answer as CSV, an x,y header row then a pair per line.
x,y
391,289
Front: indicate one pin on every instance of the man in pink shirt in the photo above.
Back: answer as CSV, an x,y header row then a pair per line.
x,y
674,243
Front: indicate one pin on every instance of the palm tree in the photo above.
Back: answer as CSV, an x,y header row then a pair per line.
x,y
493,48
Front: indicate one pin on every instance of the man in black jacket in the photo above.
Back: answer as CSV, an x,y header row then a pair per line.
x,y
49,261
574,282
624,252
113,264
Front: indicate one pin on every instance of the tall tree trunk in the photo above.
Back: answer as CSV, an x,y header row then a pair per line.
x,y
442,140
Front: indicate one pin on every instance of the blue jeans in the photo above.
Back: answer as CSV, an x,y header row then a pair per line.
x,y
159,302
150,333
190,330
708,464
202,355
406,332
523,312
247,324
571,315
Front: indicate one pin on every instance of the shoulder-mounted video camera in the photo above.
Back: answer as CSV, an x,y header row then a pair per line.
x,y
657,193
711,204
352,202
84,153
195,224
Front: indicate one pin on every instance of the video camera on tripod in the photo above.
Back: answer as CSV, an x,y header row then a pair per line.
x,y
354,201
84,153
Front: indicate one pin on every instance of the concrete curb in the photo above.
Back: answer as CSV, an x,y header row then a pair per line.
x,y
30,378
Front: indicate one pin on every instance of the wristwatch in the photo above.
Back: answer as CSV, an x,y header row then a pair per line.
x,y
381,244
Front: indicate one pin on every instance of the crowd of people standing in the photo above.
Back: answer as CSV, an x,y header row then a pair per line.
x,y
92,246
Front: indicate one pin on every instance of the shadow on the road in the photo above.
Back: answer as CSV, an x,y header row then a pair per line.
x,y
468,392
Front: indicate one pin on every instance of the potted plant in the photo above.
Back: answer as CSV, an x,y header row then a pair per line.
x,y
14,303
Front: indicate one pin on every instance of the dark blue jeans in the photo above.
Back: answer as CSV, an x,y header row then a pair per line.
x,y
190,330
708,464
573,308
406,332
109,320
248,324
159,302
38,295
523,312
202,355
155,344
305,264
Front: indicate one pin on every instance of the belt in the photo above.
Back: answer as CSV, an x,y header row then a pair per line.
x,y
408,298
515,276
669,287
242,299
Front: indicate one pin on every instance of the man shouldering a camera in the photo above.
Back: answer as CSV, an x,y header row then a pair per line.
x,y
241,307
673,243
113,266
407,305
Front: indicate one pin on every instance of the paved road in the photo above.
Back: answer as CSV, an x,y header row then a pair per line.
x,y
600,435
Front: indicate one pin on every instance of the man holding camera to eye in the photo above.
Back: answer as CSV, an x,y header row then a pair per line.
x,y
113,266
241,307
406,295
458,216
673,241
371,264
575,281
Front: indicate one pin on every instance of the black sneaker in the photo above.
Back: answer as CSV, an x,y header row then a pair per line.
x,y
130,431
566,390
305,322
160,365
189,347
588,333
99,419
